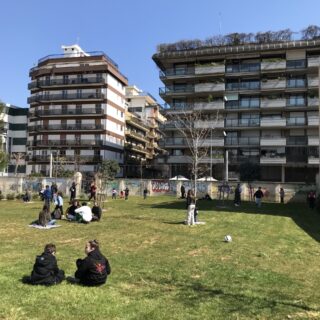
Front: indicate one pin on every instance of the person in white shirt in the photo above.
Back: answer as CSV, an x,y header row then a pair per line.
x,y
84,213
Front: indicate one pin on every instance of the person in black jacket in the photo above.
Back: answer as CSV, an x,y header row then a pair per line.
x,y
45,270
94,269
96,212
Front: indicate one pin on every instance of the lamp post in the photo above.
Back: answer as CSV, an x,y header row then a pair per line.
x,y
211,155
226,177
319,124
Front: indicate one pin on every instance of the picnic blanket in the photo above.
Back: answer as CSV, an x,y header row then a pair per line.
x,y
37,226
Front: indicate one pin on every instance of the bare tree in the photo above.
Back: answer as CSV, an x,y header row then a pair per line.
x,y
310,33
195,127
17,157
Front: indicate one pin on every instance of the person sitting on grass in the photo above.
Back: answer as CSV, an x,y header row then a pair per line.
x,y
70,212
26,197
44,218
94,269
84,213
45,270
96,212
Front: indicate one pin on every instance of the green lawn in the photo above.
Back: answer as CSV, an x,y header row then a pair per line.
x,y
162,269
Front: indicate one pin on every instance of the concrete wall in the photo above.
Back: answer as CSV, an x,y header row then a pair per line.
x,y
293,192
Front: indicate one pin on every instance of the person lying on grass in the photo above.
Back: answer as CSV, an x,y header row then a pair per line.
x,y
94,269
45,270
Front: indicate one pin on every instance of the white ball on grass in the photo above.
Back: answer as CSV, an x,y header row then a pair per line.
x,y
227,238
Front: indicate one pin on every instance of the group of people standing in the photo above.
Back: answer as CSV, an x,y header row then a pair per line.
x,y
93,270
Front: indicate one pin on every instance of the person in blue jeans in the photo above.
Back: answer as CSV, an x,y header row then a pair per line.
x,y
47,196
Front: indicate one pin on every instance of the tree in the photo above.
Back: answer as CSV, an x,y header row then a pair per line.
x,y
4,159
17,157
108,170
310,33
192,126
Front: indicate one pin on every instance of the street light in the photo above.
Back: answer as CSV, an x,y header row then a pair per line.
x,y
227,161
319,123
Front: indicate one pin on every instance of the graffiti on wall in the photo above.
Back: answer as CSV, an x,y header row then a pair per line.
x,y
160,186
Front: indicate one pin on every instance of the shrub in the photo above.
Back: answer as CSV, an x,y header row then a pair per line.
x,y
19,196
35,196
10,196
1,196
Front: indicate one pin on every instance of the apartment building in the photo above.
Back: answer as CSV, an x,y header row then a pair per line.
x,y
14,138
261,101
144,118
77,111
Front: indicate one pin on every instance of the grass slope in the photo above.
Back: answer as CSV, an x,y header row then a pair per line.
x,y
162,269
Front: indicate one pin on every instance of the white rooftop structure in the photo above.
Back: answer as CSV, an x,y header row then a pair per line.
x,y
74,51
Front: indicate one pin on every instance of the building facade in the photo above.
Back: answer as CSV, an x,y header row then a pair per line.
x,y
261,101
14,138
77,111
143,121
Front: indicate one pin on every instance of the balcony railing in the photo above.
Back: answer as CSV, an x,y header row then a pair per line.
x,y
136,135
273,65
313,102
293,141
274,159
67,96
273,103
313,121
209,87
313,141
66,127
273,84
273,141
209,124
242,104
246,85
296,121
66,143
65,82
172,89
313,81
67,112
272,122
176,72
70,158
242,123
242,141
209,69
215,105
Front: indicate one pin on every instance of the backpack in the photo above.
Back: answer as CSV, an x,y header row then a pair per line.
x,y
56,214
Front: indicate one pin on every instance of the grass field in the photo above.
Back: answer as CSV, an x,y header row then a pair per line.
x,y
162,269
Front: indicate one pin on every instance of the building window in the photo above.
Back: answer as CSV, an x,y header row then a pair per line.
x,y
296,64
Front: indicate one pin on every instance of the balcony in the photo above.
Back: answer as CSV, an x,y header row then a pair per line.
x,y
313,102
210,69
313,121
215,105
136,148
207,124
177,72
313,82
179,159
209,87
66,97
242,104
272,141
214,160
136,122
244,85
296,121
66,127
232,123
67,112
235,141
65,82
273,122
176,89
313,141
273,103
135,135
215,142
65,143
273,65
273,84
297,141
273,159
313,160
67,158
313,62
175,142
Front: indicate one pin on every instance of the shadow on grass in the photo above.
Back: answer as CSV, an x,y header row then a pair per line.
x,y
307,219
193,293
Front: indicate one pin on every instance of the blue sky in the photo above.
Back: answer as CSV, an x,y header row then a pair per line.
x,y
128,31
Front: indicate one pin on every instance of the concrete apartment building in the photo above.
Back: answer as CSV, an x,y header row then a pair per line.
x,y
143,121
77,111
264,97
14,138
